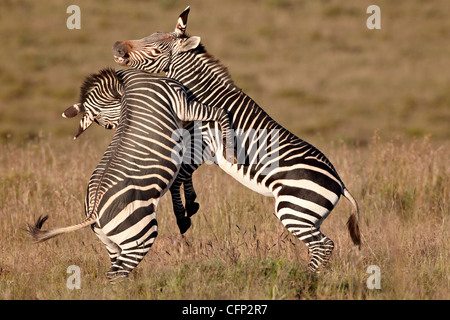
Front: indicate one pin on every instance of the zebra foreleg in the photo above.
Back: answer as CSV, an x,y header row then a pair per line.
x,y
183,222
183,214
190,196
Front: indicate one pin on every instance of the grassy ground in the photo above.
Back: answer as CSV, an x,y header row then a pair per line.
x,y
375,101
236,249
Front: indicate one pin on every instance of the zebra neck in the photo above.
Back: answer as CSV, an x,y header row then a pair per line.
x,y
203,75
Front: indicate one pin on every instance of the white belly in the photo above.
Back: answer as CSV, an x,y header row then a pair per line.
x,y
232,170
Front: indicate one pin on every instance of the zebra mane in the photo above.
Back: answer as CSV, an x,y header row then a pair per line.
x,y
221,70
96,79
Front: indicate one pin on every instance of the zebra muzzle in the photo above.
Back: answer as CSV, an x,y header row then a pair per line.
x,y
119,60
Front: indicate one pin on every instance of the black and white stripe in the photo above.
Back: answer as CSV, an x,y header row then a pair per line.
x,y
270,159
100,102
138,166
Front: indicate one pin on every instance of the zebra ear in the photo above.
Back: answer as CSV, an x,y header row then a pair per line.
x,y
85,123
190,43
180,29
72,111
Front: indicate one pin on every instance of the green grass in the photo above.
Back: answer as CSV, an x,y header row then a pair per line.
x,y
375,101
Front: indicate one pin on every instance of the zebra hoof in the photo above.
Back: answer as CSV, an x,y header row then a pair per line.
x,y
192,208
184,224
116,276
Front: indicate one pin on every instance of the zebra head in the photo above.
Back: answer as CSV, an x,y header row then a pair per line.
x,y
100,101
155,52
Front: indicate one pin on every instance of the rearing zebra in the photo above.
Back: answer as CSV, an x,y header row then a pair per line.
x,y
138,166
100,102
304,183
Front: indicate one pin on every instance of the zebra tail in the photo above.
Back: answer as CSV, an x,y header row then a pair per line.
x,y
352,222
38,235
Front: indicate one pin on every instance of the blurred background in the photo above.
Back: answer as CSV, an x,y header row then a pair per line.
x,y
314,66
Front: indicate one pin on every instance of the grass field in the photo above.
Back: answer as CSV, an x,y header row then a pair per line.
x,y
376,102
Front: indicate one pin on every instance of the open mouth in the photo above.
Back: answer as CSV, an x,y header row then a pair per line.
x,y
121,60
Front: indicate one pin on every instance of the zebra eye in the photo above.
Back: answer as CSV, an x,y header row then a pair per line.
x,y
157,51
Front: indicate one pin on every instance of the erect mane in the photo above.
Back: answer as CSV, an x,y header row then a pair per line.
x,y
222,71
94,79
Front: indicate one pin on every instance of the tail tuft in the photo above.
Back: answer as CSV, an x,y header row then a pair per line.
x,y
38,235
35,232
352,222
353,229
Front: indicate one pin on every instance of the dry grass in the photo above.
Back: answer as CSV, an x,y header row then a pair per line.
x,y
313,66
236,249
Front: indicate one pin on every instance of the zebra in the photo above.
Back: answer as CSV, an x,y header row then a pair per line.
x,y
305,185
100,103
138,166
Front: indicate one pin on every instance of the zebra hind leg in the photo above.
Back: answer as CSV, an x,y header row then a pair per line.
x,y
304,224
126,262
122,267
320,250
132,250
114,275
114,252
